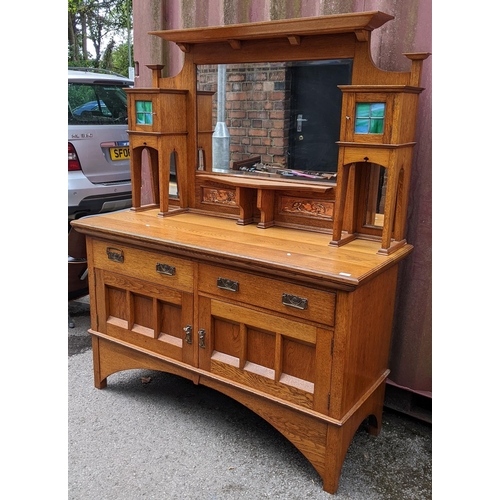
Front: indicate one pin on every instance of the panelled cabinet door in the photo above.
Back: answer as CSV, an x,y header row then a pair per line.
x,y
145,314
282,357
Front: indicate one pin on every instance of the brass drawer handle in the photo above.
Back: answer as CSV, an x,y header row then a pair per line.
x,y
189,330
227,284
115,254
294,301
165,269
201,341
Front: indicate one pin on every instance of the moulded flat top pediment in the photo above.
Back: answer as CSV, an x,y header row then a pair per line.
x,y
308,26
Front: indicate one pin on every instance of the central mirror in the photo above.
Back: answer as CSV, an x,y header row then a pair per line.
x,y
279,119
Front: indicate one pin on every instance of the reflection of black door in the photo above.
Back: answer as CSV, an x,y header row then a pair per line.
x,y
316,103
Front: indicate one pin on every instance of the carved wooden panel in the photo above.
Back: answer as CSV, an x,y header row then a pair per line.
x,y
308,207
218,196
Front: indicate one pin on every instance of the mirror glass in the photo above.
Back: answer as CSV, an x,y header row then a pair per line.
x,y
173,190
375,196
275,119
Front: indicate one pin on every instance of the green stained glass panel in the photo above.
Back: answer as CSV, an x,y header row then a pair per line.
x,y
376,126
377,109
144,106
369,118
362,110
144,112
361,126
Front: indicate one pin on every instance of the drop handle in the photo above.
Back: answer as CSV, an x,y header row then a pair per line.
x,y
227,284
189,334
289,300
115,254
165,269
201,341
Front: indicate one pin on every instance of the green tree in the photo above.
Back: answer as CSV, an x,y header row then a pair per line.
x,y
103,25
120,59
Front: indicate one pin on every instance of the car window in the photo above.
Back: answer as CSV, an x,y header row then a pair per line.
x,y
96,104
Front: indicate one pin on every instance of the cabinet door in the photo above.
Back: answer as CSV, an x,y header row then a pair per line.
x,y
273,354
145,314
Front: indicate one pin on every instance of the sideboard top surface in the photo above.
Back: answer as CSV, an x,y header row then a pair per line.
x,y
276,250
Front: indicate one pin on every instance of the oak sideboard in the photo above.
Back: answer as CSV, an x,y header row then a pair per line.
x,y
273,285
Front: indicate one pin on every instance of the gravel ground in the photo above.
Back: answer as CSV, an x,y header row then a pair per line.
x,y
152,435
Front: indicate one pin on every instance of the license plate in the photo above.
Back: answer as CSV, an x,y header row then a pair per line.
x,y
119,153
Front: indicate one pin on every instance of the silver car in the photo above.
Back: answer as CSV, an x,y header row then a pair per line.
x,y
98,144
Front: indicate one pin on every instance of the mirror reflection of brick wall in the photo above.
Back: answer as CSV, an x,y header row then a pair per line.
x,y
257,108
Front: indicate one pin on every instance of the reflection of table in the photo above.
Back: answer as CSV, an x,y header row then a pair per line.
x,y
261,189
294,329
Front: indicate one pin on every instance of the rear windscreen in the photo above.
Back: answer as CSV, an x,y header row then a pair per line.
x,y
90,103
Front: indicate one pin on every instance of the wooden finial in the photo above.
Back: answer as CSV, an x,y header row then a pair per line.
x,y
416,66
156,68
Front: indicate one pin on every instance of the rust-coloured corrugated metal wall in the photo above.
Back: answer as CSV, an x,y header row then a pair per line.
x,y
410,31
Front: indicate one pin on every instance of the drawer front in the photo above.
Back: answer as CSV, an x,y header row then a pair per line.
x,y
275,295
155,267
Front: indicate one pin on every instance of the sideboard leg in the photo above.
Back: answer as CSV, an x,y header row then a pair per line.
x,y
337,443
375,424
375,417
338,438
99,381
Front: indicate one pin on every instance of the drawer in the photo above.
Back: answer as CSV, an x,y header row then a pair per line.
x,y
147,265
275,295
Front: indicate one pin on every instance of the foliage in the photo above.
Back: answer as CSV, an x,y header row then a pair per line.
x,y
103,25
120,58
